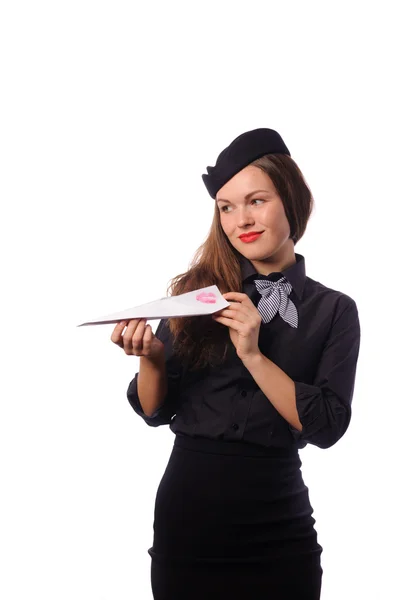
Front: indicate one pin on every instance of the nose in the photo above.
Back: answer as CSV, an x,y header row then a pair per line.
x,y
244,217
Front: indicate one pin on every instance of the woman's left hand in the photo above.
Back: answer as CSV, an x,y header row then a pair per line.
x,y
243,320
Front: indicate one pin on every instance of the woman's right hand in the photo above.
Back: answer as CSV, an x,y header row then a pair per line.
x,y
138,339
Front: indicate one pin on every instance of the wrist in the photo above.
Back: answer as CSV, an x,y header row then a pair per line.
x,y
156,360
253,359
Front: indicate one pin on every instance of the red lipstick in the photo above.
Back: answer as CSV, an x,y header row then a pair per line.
x,y
251,236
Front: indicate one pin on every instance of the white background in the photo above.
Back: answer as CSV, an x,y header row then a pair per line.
x,y
110,113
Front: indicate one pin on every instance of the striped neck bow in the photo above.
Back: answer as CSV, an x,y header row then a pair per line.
x,y
275,298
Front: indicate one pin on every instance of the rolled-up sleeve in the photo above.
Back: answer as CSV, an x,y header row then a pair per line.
x,y
164,414
324,407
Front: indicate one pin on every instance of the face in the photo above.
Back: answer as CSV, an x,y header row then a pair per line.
x,y
242,210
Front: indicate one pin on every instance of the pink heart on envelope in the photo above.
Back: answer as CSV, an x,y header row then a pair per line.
x,y
206,297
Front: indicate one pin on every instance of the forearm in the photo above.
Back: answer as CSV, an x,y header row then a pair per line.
x,y
276,385
152,384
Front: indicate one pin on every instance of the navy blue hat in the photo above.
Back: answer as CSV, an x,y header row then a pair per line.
x,y
246,148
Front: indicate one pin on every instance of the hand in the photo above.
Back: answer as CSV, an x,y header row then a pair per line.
x,y
138,339
243,319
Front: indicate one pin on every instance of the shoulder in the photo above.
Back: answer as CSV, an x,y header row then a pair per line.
x,y
336,301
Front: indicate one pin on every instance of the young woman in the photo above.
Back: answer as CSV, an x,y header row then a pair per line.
x,y
244,390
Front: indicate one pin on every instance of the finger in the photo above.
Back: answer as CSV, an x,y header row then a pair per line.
x,y
239,313
131,327
239,317
116,335
230,323
127,336
238,298
137,340
226,312
147,339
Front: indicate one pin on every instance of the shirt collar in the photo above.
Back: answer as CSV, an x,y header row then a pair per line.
x,y
295,274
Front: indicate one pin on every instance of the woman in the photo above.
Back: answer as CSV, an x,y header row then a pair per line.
x,y
245,389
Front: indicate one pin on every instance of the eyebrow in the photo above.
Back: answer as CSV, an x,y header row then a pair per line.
x,y
246,197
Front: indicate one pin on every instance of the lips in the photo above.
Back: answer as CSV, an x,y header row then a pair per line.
x,y
206,297
250,233
250,236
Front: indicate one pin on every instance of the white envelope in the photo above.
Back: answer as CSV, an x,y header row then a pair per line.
x,y
204,301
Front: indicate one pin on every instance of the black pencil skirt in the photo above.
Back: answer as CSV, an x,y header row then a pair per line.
x,y
233,520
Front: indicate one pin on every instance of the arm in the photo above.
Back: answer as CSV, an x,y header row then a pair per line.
x,y
154,392
276,385
317,413
152,384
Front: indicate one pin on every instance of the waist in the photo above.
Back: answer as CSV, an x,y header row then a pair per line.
x,y
227,447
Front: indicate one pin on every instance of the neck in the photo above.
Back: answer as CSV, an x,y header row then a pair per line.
x,y
276,262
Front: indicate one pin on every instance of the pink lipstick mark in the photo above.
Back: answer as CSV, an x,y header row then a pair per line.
x,y
206,297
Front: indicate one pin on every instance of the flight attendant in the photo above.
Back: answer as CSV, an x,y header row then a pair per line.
x,y
245,389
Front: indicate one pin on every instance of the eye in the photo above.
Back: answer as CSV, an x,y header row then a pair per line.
x,y
253,200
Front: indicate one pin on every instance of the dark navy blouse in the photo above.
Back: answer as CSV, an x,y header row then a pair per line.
x,y
320,355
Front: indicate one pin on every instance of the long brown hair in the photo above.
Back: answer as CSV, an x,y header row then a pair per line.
x,y
202,342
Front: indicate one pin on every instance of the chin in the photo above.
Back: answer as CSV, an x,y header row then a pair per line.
x,y
263,253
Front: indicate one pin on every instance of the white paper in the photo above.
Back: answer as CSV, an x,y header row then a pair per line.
x,y
204,301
